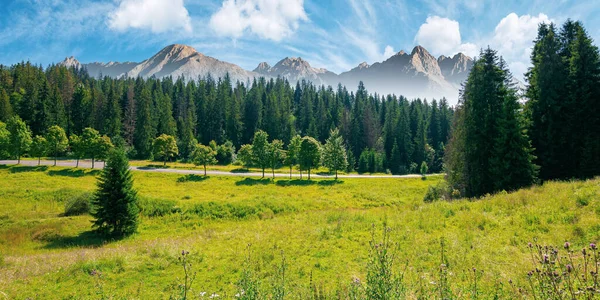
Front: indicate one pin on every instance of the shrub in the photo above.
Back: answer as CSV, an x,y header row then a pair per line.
x,y
441,191
78,205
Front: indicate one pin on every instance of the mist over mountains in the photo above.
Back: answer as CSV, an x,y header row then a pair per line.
x,y
414,74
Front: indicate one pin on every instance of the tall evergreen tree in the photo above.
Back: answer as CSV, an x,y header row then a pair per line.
x,y
115,202
488,136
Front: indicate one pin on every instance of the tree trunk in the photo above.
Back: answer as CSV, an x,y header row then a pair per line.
x,y
92,162
273,170
165,163
55,155
263,172
204,170
290,171
335,174
77,164
308,173
39,160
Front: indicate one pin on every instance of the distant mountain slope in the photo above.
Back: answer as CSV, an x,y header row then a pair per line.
x,y
417,74
174,60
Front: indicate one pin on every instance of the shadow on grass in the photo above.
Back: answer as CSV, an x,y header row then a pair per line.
x,y
154,166
21,169
240,170
192,178
300,182
252,181
87,239
73,172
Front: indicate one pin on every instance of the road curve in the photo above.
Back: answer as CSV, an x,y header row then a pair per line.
x,y
87,164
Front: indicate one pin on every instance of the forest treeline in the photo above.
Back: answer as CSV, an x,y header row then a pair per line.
x,y
394,133
499,143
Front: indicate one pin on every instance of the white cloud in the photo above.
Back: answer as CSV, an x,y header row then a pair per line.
x,y
269,19
442,36
513,38
156,15
388,52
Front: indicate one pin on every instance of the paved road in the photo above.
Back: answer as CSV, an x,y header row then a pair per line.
x,y
99,165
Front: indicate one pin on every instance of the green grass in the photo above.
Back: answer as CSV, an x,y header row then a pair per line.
x,y
323,229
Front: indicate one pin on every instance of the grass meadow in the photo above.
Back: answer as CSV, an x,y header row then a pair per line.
x,y
312,238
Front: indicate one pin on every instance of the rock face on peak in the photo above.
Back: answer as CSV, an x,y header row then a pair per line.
x,y
181,60
71,62
296,69
455,69
262,68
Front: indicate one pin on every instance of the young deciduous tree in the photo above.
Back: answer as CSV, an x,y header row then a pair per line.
x,y
260,150
115,202
57,140
203,156
102,148
244,155
20,137
39,147
293,153
77,148
334,153
4,141
165,147
276,154
310,154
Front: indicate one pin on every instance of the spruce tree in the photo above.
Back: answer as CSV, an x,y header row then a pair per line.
x,y
489,151
115,202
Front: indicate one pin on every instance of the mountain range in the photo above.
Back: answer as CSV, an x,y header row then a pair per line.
x,y
418,74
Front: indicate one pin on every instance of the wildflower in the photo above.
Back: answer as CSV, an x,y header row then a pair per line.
x,y
583,252
356,280
569,268
545,260
593,246
237,295
567,245
529,245
214,295
530,273
202,294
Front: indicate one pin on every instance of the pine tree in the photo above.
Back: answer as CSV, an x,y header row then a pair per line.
x,y
488,135
115,202
143,130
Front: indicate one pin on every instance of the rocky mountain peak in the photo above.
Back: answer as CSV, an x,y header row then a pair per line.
x,y
424,62
71,62
262,68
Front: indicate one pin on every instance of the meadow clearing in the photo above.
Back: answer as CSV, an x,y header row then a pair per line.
x,y
318,231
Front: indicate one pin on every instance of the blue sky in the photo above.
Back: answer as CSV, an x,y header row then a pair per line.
x,y
337,34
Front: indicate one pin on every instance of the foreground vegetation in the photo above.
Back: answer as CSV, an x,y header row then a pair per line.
x,y
286,237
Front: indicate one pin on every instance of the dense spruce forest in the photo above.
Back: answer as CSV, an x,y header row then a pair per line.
x,y
391,132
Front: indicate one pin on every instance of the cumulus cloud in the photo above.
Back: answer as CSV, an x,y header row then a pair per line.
x,y
268,19
388,52
513,38
156,15
442,36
